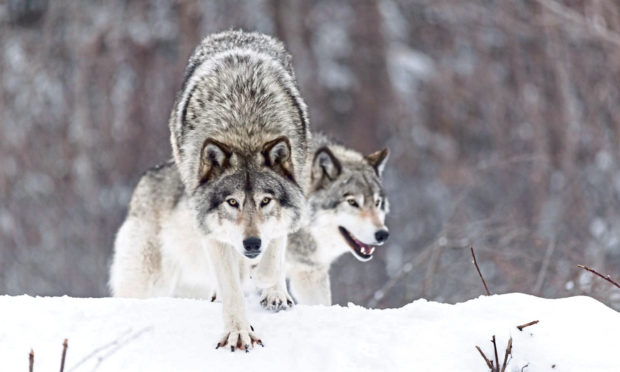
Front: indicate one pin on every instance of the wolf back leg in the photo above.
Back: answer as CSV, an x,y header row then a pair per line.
x,y
276,298
136,260
311,286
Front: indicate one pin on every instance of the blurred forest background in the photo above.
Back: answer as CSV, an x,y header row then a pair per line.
x,y
503,118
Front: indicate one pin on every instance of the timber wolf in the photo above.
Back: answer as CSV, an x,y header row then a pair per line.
x,y
222,209
347,207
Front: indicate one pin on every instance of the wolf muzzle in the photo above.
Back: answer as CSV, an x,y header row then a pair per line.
x,y
252,247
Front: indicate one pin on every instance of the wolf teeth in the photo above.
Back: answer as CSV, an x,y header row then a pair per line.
x,y
367,250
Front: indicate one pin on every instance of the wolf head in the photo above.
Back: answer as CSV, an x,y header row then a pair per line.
x,y
247,201
239,133
347,200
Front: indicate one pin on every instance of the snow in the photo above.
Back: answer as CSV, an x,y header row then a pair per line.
x,y
574,334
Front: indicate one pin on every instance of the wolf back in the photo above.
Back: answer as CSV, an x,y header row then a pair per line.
x,y
251,101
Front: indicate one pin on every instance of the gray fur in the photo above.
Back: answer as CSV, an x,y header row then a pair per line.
x,y
239,133
239,89
337,173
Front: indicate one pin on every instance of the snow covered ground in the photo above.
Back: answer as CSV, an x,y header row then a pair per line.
x,y
574,334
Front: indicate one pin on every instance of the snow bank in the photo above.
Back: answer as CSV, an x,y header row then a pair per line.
x,y
574,334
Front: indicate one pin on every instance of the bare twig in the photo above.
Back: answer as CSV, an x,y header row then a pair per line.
x,y
487,361
507,354
606,277
520,327
495,351
65,344
471,247
31,360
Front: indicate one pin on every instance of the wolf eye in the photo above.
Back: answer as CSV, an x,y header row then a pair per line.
x,y
378,202
233,203
266,200
353,203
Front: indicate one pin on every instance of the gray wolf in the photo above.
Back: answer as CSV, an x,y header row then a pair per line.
x,y
347,207
222,209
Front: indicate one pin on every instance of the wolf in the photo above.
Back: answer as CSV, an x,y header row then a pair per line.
x,y
347,207
222,209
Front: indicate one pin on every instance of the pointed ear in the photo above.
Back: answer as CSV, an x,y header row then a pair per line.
x,y
326,165
277,154
215,159
378,159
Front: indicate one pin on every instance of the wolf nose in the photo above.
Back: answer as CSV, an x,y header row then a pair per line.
x,y
382,235
252,245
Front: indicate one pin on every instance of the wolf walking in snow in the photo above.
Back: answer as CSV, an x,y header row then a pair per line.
x,y
223,208
347,214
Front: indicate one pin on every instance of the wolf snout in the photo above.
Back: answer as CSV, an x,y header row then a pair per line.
x,y
252,247
382,235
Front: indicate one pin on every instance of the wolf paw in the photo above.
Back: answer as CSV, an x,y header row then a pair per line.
x,y
276,300
240,339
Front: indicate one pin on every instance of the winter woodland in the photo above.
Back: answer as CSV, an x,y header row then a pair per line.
x,y
502,117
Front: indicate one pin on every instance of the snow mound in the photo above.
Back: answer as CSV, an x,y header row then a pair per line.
x,y
574,334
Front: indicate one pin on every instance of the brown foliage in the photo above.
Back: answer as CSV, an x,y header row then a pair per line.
x,y
501,116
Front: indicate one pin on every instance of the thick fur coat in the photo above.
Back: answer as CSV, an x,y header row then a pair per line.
x,y
222,210
347,208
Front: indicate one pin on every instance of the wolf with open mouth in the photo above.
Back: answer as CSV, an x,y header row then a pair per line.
x,y
347,207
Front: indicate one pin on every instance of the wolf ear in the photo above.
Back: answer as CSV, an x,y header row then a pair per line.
x,y
378,159
277,154
325,164
215,159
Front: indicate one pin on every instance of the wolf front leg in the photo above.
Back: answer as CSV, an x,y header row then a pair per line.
x,y
238,332
270,276
311,286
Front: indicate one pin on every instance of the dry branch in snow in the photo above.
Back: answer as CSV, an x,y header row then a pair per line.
x,y
495,352
31,360
487,361
65,344
494,367
520,327
507,354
